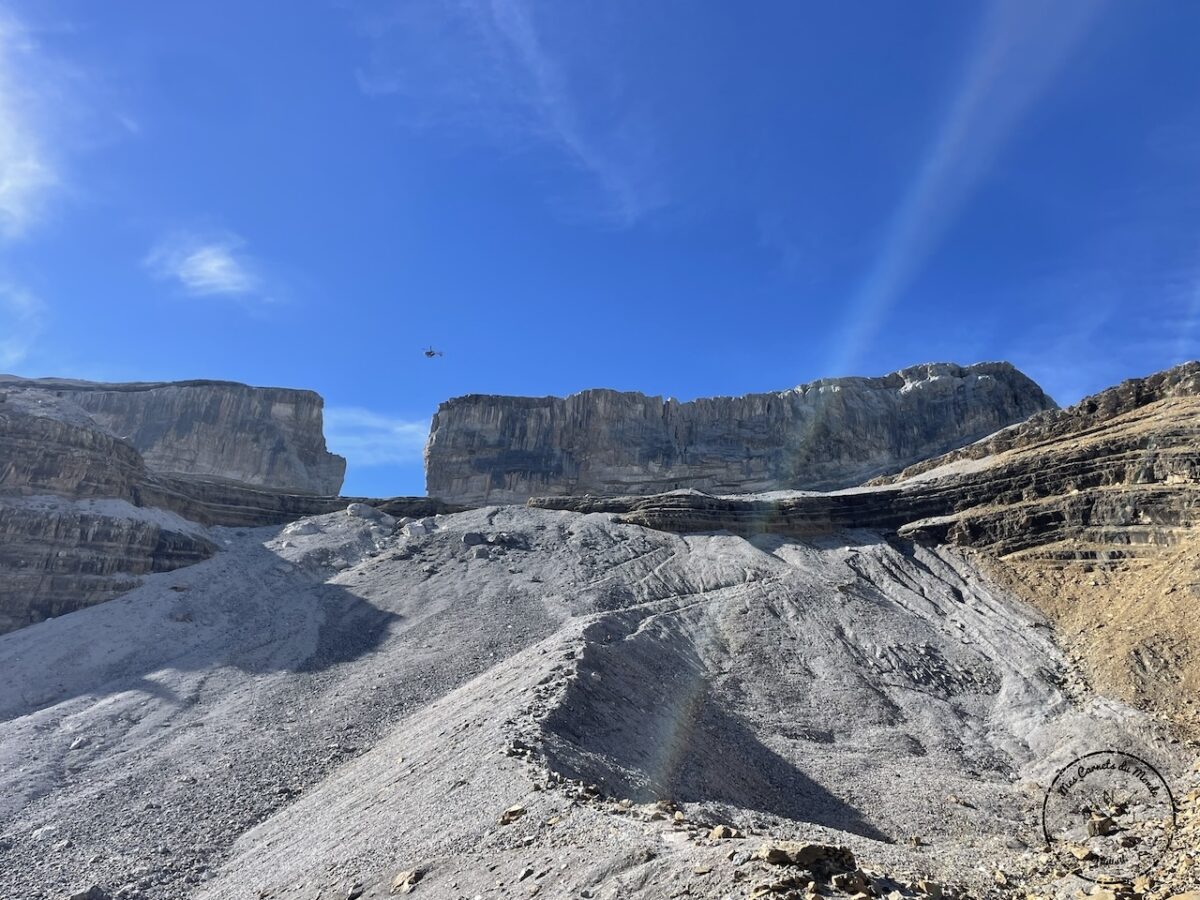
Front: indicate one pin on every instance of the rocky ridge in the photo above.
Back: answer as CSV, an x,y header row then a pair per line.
x,y
82,514
264,437
1084,512
828,434
850,698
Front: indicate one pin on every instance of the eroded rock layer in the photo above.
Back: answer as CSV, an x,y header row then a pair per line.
x,y
83,516
1090,513
828,434
268,437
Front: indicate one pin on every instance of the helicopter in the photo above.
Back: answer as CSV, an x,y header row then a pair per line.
x,y
430,353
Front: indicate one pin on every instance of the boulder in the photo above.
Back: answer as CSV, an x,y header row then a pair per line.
x,y
405,881
823,858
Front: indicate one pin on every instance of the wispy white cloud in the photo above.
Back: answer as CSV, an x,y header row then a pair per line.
x,y
368,438
1019,50
27,171
1073,350
21,321
206,264
485,66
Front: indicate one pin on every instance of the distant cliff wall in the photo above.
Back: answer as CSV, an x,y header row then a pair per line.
x,y
829,434
266,437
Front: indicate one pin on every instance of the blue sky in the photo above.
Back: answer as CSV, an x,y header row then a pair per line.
x,y
676,197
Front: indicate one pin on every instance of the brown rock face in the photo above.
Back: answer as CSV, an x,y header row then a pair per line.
x,y
265,437
828,434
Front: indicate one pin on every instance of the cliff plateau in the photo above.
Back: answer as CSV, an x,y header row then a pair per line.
x,y
828,434
265,437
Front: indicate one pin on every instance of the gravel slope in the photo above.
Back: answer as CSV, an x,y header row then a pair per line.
x,y
310,711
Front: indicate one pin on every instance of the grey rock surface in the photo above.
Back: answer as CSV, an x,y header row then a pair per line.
x,y
326,705
82,515
828,434
267,437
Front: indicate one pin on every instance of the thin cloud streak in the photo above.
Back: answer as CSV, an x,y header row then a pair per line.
x,y
483,65
27,173
21,320
1021,46
205,265
369,438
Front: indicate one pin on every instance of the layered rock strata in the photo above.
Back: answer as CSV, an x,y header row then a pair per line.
x,y
267,437
824,435
1089,513
83,515
1101,481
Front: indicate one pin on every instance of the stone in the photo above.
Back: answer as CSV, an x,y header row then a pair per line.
x,y
780,886
854,882
828,434
986,506
511,814
61,550
91,892
815,857
472,538
1101,825
406,881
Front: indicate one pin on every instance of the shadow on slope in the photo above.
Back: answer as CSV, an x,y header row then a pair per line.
x,y
640,720
246,608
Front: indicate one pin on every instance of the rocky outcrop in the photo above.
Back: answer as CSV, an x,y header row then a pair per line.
x,y
1089,513
1115,475
58,556
266,437
828,434
83,515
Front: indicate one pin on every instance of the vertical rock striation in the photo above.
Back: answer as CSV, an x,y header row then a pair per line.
x,y
265,437
101,484
828,434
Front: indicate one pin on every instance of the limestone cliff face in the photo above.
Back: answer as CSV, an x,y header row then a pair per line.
x,y
828,434
267,437
1090,513
82,515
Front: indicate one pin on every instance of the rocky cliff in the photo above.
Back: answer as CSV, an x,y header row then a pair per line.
x,y
83,515
267,437
827,434
1090,513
